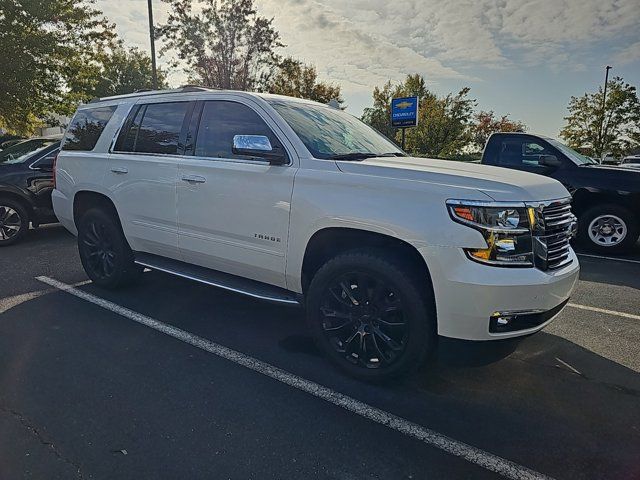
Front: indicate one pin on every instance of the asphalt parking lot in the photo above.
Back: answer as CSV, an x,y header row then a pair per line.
x,y
171,379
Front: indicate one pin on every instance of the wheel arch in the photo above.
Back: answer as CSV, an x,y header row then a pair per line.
x,y
583,199
331,241
84,200
21,199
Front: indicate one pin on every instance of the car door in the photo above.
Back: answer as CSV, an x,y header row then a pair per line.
x,y
233,210
143,172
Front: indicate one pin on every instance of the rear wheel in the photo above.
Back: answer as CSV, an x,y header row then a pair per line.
x,y
14,222
104,252
371,315
608,228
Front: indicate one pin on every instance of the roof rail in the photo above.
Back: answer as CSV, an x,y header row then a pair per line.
x,y
148,92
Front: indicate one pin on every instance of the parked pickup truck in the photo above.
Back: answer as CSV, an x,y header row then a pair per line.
x,y
606,199
299,203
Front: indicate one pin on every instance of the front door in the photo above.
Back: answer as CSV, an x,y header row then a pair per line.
x,y
233,210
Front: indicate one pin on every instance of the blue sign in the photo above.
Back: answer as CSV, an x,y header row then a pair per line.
x,y
404,112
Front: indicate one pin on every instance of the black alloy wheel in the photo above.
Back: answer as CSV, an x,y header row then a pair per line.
x,y
97,247
363,320
372,314
104,252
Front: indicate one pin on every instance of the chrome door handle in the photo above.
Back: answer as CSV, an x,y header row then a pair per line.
x,y
119,170
194,178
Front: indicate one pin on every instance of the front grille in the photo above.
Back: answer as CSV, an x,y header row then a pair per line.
x,y
553,231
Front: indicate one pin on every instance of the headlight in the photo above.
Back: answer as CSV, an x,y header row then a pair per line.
x,y
506,229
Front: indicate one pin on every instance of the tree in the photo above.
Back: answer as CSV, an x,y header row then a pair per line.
x,y
227,45
598,131
487,123
443,122
51,49
125,71
296,79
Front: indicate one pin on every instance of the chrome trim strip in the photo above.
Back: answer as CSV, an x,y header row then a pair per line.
x,y
219,285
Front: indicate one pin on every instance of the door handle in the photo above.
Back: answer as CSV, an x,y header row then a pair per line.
x,y
119,170
194,179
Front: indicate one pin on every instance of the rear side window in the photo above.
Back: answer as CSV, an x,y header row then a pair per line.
x,y
86,127
220,121
154,128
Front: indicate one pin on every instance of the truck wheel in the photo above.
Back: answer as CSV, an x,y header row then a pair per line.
x,y
14,222
608,229
104,252
371,316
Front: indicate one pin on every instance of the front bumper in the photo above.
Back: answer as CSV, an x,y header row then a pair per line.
x,y
469,295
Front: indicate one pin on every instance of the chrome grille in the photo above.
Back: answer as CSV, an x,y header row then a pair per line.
x,y
554,228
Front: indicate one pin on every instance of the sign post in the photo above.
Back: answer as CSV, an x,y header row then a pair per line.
x,y
404,114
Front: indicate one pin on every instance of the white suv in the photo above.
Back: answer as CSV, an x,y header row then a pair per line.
x,y
296,202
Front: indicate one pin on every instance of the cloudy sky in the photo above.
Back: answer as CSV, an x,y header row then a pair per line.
x,y
525,58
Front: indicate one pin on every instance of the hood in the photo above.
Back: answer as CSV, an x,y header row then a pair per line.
x,y
611,168
501,184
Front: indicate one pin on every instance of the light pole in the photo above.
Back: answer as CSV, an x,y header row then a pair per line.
x,y
154,73
604,103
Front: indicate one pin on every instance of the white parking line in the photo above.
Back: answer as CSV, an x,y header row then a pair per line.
x,y
603,310
472,454
628,260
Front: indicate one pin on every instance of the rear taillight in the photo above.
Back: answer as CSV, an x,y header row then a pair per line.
x,y
55,161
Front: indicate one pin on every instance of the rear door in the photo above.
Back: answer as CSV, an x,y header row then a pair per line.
x,y
143,172
233,211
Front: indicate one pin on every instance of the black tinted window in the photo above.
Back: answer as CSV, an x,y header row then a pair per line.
x,y
154,128
160,128
516,152
220,121
86,127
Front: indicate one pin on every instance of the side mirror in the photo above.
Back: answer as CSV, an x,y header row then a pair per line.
x,y
550,161
258,146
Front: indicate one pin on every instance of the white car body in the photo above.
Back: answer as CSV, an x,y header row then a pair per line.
x,y
255,220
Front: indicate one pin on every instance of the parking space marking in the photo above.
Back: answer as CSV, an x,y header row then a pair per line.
x,y
603,310
628,260
430,437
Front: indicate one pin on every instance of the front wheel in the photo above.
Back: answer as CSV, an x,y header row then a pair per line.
x,y
371,316
104,252
608,228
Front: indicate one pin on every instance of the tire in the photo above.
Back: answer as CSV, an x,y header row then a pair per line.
x,y
607,229
394,304
14,222
104,252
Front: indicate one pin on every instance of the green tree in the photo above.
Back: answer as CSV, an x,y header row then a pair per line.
x,y
487,123
51,50
597,131
224,45
125,71
296,79
443,122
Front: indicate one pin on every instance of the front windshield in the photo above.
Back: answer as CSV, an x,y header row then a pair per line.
x,y
572,154
331,133
22,151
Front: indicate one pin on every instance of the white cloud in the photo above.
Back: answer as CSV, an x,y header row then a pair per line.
x,y
628,55
363,43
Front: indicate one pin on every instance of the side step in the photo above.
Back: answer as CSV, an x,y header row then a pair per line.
x,y
233,283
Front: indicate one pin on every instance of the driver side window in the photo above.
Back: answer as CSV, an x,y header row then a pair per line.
x,y
521,152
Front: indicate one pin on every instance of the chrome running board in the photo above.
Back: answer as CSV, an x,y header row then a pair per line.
x,y
226,281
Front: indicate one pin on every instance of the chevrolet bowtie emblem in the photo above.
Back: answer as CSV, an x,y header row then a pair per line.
x,y
404,105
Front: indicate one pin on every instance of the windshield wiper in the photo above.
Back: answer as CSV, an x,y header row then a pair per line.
x,y
363,155
352,156
392,154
